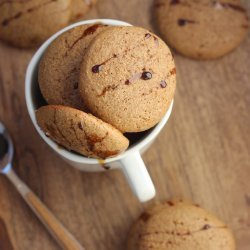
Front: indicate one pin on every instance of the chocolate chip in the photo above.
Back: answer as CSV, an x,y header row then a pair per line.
x,y
147,35
206,227
80,125
146,75
163,84
96,68
170,203
182,22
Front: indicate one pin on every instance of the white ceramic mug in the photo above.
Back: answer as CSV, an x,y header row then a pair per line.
x,y
130,162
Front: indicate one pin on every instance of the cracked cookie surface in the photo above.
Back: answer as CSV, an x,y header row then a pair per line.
x,y
204,29
58,74
179,225
28,23
128,78
80,132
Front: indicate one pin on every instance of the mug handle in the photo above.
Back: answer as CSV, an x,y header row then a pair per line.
x,y
138,177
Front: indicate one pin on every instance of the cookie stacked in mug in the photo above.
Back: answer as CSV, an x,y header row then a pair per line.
x,y
101,82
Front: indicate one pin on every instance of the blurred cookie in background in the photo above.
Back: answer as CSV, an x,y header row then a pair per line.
x,y
26,24
80,7
201,29
179,225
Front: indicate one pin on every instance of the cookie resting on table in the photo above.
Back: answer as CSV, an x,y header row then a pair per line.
x,y
203,29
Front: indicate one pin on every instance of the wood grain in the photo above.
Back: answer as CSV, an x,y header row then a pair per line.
x,y
5,242
64,238
203,154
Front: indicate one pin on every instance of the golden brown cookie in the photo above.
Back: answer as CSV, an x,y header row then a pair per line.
x,y
204,29
128,78
80,7
80,132
180,226
58,74
28,23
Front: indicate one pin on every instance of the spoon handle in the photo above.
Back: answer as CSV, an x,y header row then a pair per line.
x,y
64,238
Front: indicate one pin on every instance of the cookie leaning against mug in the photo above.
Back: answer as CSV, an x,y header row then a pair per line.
x,y
128,78
58,73
179,225
202,29
26,24
80,132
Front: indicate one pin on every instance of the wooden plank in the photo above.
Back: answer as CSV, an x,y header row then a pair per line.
x,y
203,154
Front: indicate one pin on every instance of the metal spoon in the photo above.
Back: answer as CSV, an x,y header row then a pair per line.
x,y
65,239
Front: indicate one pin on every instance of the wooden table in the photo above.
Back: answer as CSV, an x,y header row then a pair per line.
x,y
203,153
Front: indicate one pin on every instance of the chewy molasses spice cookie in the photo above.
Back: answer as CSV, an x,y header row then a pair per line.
x,y
128,78
28,23
80,7
203,29
179,225
80,132
59,68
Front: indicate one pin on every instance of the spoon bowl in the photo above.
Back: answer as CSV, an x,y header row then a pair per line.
x,y
6,150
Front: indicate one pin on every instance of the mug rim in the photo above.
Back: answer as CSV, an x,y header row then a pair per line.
x,y
63,152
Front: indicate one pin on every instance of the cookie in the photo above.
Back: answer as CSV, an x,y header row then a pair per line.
x,y
26,24
59,68
181,226
201,29
80,132
128,78
80,7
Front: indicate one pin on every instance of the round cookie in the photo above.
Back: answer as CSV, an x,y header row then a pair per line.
x,y
181,226
202,29
80,132
28,23
128,78
59,68
80,7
